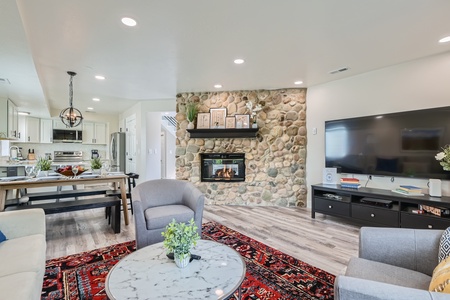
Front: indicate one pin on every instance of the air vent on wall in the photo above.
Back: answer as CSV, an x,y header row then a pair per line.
x,y
339,71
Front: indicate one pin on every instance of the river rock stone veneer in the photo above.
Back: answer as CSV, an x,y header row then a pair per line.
x,y
275,159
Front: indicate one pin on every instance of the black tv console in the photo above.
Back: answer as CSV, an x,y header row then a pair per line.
x,y
377,207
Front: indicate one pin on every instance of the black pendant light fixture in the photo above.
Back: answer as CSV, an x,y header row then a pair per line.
x,y
71,117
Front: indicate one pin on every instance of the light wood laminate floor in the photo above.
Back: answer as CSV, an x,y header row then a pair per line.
x,y
324,242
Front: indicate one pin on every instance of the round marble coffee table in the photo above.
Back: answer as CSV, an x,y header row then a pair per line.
x,y
149,274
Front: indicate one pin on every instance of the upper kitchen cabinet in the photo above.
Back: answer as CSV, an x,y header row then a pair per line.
x,y
28,130
8,119
58,124
94,133
46,131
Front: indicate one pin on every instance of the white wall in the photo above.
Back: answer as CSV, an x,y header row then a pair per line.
x,y
414,85
148,135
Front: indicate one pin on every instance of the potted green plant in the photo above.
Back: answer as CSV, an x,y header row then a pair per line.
x,y
43,165
96,165
191,113
179,238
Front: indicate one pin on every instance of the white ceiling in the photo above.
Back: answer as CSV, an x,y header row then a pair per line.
x,y
183,46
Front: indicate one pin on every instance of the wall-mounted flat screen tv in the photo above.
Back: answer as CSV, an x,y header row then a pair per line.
x,y
397,144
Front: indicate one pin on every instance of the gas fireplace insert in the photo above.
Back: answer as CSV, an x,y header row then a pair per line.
x,y
228,167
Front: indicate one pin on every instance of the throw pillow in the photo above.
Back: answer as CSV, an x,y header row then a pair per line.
x,y
440,281
2,237
444,245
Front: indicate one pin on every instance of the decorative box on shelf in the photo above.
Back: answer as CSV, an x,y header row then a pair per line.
x,y
223,133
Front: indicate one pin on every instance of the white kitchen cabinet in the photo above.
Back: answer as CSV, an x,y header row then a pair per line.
x,y
58,124
28,130
94,133
22,129
8,119
46,131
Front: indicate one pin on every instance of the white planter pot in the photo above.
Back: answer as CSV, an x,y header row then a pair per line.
x,y
182,263
191,125
42,174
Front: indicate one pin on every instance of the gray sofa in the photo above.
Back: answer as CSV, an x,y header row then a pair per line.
x,y
157,202
393,263
22,255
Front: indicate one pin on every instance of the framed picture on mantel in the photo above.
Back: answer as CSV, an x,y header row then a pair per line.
x,y
242,121
203,120
218,116
230,122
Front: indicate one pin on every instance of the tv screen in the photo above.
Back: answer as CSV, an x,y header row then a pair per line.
x,y
397,144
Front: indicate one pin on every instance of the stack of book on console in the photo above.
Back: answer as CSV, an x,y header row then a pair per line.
x,y
352,183
409,190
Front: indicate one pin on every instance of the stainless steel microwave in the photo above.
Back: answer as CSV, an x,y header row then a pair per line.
x,y
67,136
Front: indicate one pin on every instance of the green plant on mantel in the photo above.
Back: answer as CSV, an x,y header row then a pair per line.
x,y
44,164
180,237
191,111
96,163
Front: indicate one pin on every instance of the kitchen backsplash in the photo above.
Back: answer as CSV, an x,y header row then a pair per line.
x,y
41,149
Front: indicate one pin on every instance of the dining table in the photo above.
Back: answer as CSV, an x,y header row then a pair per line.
x,y
118,180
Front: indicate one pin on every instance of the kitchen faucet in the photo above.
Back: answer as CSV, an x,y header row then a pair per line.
x,y
13,150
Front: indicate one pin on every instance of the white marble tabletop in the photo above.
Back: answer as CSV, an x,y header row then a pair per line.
x,y
149,274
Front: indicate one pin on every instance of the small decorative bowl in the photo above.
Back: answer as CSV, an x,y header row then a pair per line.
x,y
69,173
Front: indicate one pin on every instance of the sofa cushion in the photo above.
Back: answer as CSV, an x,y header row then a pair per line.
x,y
440,281
444,245
20,286
160,216
2,237
24,254
376,271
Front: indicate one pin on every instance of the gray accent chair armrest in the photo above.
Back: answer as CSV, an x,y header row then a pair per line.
x,y
393,263
157,202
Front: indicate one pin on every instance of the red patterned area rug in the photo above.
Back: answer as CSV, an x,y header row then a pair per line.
x,y
271,274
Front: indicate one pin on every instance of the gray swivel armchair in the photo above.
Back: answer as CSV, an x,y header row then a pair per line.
x,y
157,202
393,264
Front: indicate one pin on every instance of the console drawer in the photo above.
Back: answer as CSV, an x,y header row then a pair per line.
x,y
409,220
332,207
382,216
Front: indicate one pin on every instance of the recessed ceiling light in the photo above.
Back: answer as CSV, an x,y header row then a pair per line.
x,y
129,22
23,113
90,108
100,77
95,99
298,82
217,86
445,39
239,61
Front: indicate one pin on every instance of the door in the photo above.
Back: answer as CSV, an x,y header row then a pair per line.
x,y
163,155
131,144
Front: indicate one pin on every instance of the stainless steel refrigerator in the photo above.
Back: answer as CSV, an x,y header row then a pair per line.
x,y
118,151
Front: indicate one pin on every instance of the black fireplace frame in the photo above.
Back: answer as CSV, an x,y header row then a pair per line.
x,y
233,158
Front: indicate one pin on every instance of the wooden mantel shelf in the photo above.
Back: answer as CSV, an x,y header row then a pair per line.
x,y
223,133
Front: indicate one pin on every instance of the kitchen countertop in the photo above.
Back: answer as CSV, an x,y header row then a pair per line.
x,y
21,163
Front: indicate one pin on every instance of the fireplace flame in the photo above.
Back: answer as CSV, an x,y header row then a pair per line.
x,y
225,173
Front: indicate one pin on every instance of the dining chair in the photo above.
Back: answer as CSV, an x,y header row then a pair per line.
x,y
131,182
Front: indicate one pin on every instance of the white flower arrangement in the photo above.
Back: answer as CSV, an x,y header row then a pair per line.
x,y
444,158
253,110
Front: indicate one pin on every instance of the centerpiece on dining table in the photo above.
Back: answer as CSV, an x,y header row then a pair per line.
x,y
71,171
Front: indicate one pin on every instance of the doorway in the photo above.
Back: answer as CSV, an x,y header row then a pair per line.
x,y
130,125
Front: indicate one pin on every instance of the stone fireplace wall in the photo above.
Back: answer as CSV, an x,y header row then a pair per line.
x,y
275,159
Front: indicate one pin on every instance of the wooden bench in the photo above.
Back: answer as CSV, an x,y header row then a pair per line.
x,y
66,194
66,206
